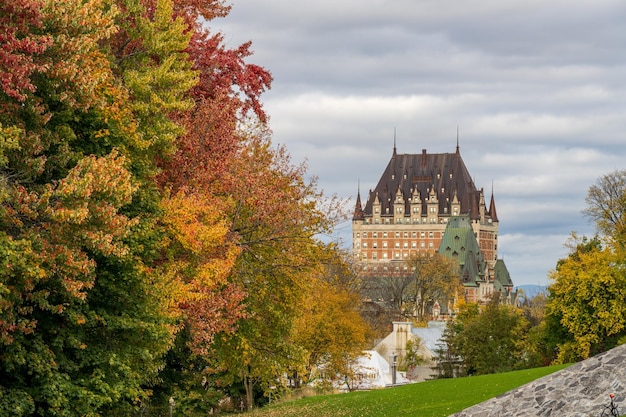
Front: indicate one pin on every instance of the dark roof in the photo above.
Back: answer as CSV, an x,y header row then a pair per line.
x,y
445,172
492,209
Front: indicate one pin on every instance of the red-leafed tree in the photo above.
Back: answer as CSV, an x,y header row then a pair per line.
x,y
21,44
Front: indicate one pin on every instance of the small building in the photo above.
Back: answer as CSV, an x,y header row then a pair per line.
x,y
429,338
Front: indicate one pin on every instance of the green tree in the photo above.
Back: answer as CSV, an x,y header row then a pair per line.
x,y
492,340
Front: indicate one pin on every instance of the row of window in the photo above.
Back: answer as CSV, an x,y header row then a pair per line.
x,y
397,235
407,220
418,210
405,245
396,255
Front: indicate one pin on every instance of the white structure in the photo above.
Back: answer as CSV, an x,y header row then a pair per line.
x,y
395,343
374,371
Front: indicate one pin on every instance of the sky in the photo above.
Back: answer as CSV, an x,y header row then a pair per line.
x,y
536,89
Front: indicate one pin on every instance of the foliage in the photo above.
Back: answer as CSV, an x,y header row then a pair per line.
x,y
586,296
585,313
330,330
489,339
606,205
435,277
413,357
425,399
153,239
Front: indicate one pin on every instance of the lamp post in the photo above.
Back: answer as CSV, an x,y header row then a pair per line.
x,y
172,405
394,365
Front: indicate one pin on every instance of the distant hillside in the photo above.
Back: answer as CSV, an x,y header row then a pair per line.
x,y
532,290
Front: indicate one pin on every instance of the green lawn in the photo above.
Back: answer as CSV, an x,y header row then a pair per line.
x,y
435,398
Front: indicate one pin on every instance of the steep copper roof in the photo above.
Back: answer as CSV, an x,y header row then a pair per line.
x,y
445,172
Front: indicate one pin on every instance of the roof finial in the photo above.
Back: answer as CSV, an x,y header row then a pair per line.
x,y
394,141
457,140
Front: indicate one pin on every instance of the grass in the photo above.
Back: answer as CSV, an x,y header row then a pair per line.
x,y
436,398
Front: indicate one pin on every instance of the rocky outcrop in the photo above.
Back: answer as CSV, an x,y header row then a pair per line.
x,y
580,390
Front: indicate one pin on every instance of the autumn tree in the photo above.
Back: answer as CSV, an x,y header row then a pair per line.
x,y
435,278
276,215
329,327
585,305
85,319
586,298
606,205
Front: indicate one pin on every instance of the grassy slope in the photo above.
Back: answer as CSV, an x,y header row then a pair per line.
x,y
425,399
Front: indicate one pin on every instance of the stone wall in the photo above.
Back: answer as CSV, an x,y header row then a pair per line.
x,y
580,390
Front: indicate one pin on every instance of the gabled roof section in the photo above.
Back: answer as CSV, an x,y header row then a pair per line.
x,y
445,173
459,243
501,277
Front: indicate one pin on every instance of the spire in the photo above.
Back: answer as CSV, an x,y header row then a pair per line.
x,y
394,142
457,140
492,207
358,209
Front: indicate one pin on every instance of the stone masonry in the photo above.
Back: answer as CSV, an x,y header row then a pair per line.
x,y
580,390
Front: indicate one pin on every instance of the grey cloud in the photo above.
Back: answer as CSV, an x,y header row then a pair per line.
x,y
536,87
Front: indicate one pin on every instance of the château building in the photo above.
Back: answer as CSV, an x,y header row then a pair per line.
x,y
424,203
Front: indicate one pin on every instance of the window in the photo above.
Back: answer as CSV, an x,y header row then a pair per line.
x,y
375,244
374,256
364,256
384,244
397,254
406,245
397,234
422,245
397,245
384,234
430,235
364,235
414,244
406,234
375,234
422,234
376,210
364,244
430,245
414,235
385,255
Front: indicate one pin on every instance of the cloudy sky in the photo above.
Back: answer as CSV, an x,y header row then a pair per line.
x,y
537,89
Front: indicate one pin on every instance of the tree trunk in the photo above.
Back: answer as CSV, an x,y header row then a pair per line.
x,y
248,383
